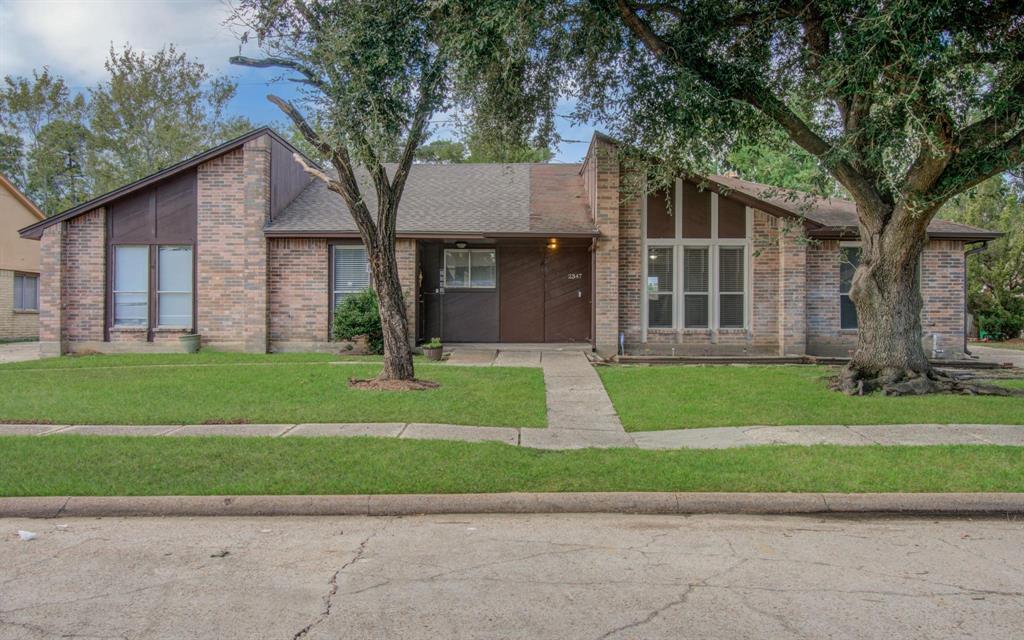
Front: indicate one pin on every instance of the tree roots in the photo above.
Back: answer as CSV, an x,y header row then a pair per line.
x,y
907,382
377,384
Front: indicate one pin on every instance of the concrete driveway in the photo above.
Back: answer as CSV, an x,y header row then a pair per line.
x,y
494,576
18,351
991,354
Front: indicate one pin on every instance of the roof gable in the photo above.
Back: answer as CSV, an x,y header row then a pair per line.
x,y
21,198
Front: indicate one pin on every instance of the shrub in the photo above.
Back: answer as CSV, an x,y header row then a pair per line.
x,y
358,315
998,323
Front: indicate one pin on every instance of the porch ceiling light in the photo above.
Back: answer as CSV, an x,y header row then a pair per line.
x,y
552,243
460,245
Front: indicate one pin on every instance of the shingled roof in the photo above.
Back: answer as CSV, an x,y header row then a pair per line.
x,y
489,200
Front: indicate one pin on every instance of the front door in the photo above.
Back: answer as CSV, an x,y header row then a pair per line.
x,y
567,294
521,282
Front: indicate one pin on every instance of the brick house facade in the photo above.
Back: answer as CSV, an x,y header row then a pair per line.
x,y
19,266
486,253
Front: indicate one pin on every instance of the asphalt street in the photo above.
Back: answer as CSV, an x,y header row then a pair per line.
x,y
525,576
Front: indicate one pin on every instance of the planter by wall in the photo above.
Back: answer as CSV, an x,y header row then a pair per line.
x,y
191,342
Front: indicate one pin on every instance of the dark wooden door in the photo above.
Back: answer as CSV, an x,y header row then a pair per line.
x,y
567,295
521,282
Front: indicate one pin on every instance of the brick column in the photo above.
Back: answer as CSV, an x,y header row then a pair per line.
x,y
50,285
606,258
257,212
405,254
792,292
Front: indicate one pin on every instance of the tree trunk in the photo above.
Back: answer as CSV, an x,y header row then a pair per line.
x,y
393,320
887,295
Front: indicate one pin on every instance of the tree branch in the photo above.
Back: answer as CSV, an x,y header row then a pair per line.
x,y
760,98
312,77
967,170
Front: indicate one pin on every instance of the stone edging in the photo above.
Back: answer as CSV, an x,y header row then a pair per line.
x,y
907,504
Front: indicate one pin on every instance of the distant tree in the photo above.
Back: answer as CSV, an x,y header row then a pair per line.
x,y
43,139
442,152
155,110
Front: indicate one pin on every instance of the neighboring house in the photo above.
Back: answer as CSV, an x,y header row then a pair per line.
x,y
19,266
240,245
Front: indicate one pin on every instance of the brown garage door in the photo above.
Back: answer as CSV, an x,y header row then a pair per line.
x,y
567,295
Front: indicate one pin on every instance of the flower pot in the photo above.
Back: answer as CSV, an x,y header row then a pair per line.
x,y
190,343
433,354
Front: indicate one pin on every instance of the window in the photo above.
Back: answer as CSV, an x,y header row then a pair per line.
x,y
131,285
351,271
174,286
849,260
470,268
696,287
731,277
659,287
26,292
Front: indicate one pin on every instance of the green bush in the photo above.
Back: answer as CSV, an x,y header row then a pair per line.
x,y
358,315
999,323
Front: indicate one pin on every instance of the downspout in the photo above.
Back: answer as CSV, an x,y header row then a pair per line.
x,y
967,254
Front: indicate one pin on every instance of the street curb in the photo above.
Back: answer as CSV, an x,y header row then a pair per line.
x,y
910,504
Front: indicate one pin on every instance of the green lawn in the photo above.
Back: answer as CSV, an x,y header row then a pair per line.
x,y
679,397
285,388
96,465
1016,344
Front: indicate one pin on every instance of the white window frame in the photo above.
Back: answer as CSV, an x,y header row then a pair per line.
x,y
469,267
190,292
334,276
114,291
713,243
24,276
674,258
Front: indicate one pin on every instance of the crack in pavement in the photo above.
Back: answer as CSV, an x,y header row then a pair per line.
x,y
332,584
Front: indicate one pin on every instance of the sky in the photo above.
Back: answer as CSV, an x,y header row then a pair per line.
x,y
73,37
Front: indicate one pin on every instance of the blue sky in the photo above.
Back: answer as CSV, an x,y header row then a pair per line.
x,y
72,38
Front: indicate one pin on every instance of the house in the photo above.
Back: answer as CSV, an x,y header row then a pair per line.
x,y
240,245
19,266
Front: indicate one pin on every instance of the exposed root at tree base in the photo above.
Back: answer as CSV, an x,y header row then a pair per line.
x,y
375,384
914,383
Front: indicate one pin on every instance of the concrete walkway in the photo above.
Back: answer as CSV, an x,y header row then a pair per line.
x,y
999,356
595,430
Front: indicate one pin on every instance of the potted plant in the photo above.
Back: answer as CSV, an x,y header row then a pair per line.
x,y
190,342
433,349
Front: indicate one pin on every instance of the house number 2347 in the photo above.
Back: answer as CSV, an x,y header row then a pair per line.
x,y
575,276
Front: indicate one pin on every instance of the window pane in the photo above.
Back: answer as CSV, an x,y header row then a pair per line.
x,y
695,269
695,312
19,283
351,271
482,269
730,313
131,269
174,269
659,310
731,269
456,268
849,260
131,309
659,269
30,293
847,313
175,309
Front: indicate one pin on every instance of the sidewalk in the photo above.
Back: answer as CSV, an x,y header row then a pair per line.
x,y
568,437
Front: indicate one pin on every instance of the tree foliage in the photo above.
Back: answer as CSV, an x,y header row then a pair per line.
x,y
152,111
443,151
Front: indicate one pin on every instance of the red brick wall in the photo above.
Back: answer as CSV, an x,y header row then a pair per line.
x,y
231,252
84,277
606,259
51,274
297,276
792,319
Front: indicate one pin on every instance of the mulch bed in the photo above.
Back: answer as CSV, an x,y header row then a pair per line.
x,y
392,385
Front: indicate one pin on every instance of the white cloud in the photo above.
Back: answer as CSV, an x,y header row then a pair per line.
x,y
73,37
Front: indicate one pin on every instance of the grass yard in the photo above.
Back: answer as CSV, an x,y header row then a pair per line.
x,y
99,466
1017,344
677,397
232,387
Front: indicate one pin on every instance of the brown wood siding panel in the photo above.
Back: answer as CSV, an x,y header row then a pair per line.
x,y
470,316
176,209
287,178
661,221
566,297
696,212
732,218
521,282
131,218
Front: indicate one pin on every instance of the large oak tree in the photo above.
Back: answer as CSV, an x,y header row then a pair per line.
x,y
905,104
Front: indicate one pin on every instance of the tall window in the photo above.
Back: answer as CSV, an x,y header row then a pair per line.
x,y
174,286
470,268
732,268
849,260
131,285
660,268
26,292
351,271
696,287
